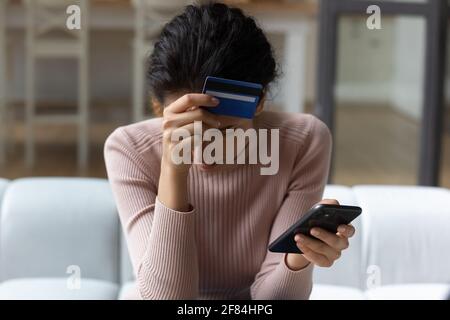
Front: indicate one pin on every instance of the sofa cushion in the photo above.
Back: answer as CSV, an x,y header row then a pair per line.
x,y
129,291
3,184
406,234
410,292
50,224
57,289
330,292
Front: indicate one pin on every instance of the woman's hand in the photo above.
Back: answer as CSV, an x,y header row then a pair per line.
x,y
180,116
325,249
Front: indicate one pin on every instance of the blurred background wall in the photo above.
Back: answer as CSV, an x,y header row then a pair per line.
x,y
379,93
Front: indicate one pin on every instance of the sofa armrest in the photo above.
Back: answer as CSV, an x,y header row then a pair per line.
x,y
49,224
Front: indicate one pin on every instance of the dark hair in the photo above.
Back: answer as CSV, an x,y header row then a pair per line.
x,y
209,40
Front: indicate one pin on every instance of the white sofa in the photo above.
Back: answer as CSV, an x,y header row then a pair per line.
x,y
55,232
401,248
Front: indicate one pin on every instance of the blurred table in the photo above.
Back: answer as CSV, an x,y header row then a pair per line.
x,y
290,19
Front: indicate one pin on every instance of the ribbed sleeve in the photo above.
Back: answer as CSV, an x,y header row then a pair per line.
x,y
160,240
169,268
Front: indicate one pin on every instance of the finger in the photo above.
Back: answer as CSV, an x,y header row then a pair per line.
x,y
329,201
319,247
192,100
346,230
189,129
314,257
182,119
331,239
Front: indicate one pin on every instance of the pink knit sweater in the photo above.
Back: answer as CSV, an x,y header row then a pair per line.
x,y
219,249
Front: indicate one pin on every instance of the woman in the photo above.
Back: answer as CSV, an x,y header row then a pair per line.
x,y
201,231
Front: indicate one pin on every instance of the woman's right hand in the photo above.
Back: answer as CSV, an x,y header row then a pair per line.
x,y
180,115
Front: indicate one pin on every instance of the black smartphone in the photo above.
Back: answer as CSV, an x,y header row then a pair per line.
x,y
325,216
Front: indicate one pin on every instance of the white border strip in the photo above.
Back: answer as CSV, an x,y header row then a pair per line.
x,y
231,96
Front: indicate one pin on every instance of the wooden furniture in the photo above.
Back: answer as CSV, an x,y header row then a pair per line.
x,y
289,19
150,16
43,19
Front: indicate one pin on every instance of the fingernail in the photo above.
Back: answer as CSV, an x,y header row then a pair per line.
x,y
215,100
301,238
342,229
297,238
315,232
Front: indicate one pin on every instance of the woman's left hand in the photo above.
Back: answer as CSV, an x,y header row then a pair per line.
x,y
326,247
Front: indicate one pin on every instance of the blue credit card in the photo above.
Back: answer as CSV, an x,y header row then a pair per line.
x,y
237,98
